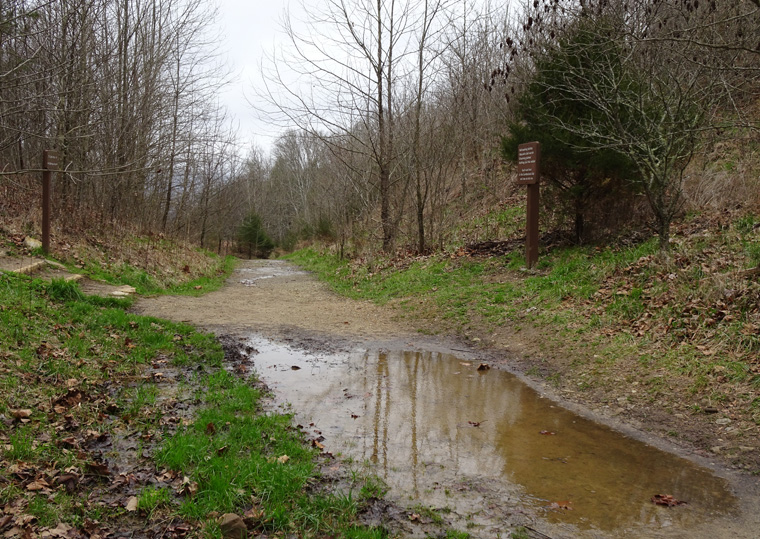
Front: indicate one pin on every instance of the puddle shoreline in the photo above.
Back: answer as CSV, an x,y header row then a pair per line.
x,y
484,444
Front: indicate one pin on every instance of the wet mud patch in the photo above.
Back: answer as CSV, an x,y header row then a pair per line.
x,y
145,412
486,452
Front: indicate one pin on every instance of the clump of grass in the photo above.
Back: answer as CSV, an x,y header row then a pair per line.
x,y
152,499
233,450
62,290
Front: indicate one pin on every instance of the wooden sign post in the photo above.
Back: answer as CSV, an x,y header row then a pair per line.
x,y
528,172
49,164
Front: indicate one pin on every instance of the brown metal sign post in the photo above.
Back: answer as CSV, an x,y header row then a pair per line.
x,y
528,172
49,164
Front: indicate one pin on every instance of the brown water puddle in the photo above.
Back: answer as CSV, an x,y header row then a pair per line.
x,y
442,433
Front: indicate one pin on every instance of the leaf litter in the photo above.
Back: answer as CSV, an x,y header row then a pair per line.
x,y
102,447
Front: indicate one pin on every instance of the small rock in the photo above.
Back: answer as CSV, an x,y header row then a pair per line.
x,y
232,526
746,448
723,421
31,243
717,449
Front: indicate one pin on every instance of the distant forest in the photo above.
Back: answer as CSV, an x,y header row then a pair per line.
x,y
397,117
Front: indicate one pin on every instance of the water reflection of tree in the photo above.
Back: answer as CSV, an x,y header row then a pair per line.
x,y
424,403
422,412
414,424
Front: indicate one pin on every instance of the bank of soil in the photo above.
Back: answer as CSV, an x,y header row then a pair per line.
x,y
274,299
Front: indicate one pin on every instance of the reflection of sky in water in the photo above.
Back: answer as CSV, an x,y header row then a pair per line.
x,y
416,421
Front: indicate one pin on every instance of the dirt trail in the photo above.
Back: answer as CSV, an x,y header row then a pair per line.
x,y
272,297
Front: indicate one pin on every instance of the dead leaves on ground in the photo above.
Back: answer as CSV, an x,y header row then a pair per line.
x,y
561,506
692,300
105,450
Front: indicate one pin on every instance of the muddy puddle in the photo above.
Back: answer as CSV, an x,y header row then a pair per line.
x,y
252,274
442,433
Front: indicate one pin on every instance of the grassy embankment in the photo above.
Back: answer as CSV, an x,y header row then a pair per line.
x,y
680,333
111,422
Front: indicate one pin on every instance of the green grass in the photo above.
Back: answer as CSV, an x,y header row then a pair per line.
x,y
233,449
151,499
54,340
146,284
460,288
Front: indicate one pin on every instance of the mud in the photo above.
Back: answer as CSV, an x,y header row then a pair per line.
x,y
289,309
274,298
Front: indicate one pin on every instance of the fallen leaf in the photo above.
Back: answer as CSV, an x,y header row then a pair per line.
x,y
187,487
39,484
254,513
475,423
283,459
21,413
210,429
166,476
69,442
62,530
232,526
70,480
132,504
99,469
666,500
414,517
24,519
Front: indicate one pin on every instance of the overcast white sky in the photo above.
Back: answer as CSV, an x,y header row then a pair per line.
x,y
249,27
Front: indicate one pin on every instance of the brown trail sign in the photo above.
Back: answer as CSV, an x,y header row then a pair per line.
x,y
528,172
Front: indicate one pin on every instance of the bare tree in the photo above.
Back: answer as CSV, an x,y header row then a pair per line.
x,y
347,64
125,90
